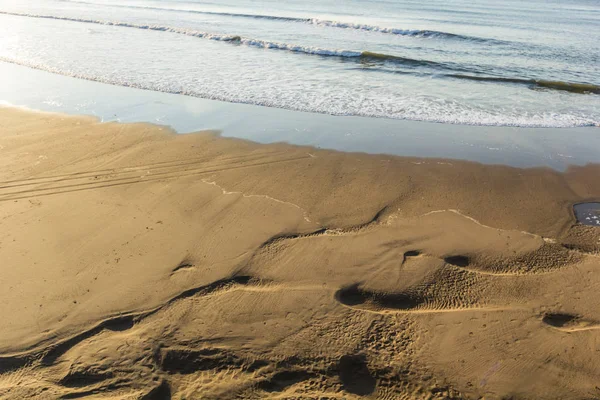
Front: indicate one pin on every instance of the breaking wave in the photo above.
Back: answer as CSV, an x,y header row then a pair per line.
x,y
362,56
581,88
423,33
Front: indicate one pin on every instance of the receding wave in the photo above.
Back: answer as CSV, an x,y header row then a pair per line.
x,y
431,112
422,33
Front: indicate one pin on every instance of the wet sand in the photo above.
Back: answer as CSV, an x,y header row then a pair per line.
x,y
137,263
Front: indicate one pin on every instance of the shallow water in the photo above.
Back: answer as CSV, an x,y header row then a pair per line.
x,y
587,213
522,147
511,63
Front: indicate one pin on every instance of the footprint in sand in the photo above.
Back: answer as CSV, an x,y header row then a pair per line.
x,y
569,322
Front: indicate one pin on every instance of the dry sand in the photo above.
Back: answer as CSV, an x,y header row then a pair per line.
x,y
141,264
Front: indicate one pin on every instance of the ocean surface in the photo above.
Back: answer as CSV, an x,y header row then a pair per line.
x,y
529,63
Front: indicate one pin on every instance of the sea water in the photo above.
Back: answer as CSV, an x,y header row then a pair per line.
x,y
526,63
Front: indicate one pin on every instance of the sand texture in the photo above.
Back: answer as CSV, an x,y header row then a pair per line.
x,y
141,264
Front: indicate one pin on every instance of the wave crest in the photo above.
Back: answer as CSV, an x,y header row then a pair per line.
x,y
420,33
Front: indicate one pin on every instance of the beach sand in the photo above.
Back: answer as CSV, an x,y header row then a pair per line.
x,y
142,264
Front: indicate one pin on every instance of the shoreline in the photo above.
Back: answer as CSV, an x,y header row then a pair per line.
x,y
548,84
186,257
521,147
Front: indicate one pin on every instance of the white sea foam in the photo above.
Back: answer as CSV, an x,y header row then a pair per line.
x,y
410,109
299,49
375,28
